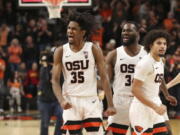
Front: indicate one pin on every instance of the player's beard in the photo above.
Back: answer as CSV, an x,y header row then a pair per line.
x,y
161,55
131,41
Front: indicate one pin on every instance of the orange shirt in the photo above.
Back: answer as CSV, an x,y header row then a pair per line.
x,y
14,54
2,63
15,84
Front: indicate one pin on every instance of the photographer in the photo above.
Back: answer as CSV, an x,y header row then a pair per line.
x,y
47,102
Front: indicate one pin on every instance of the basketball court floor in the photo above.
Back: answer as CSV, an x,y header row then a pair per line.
x,y
32,127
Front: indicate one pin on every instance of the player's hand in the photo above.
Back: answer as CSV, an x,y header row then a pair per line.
x,y
110,111
66,105
160,109
172,100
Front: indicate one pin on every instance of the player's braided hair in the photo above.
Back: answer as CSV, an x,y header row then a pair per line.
x,y
153,35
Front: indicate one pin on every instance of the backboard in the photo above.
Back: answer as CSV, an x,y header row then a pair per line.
x,y
39,3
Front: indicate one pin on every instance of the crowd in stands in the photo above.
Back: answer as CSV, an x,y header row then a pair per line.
x,y
26,32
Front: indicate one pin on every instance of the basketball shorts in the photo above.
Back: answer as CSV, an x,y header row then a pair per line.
x,y
119,122
145,120
86,112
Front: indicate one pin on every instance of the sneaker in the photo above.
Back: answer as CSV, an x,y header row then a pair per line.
x,y
19,109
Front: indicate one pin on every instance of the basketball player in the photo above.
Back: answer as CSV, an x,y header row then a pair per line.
x,y
121,63
174,81
146,110
78,60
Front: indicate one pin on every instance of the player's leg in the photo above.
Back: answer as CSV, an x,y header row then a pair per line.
x,y
160,128
117,129
119,123
72,118
92,116
99,132
71,126
141,119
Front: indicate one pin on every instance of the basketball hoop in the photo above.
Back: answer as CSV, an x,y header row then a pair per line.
x,y
54,7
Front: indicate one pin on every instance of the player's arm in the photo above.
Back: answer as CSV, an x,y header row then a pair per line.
x,y
141,73
166,94
164,89
56,73
110,62
138,93
100,62
174,82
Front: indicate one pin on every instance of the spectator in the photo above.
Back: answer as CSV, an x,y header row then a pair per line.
x,y
15,86
32,28
4,31
32,80
31,52
22,71
18,32
9,14
14,51
47,102
44,35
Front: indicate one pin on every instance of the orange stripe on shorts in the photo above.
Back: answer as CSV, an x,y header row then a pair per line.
x,y
71,127
92,124
117,130
160,129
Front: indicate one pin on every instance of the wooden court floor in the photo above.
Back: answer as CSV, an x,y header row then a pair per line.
x,y
31,127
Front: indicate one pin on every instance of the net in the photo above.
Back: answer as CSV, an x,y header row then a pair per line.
x,y
54,8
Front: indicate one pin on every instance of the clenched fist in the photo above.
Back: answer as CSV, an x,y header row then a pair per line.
x,y
66,105
110,111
